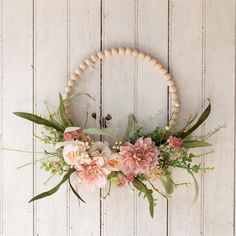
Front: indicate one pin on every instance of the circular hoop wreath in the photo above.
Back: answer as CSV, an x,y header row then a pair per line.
x,y
137,160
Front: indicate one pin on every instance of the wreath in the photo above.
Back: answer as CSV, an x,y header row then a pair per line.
x,y
136,160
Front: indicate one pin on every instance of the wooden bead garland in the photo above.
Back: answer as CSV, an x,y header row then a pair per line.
x,y
89,62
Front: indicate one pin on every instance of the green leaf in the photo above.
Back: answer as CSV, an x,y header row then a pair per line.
x,y
195,185
39,120
167,183
55,189
106,132
201,119
75,192
195,143
65,119
71,129
147,193
130,125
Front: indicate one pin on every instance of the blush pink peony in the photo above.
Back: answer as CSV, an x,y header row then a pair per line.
x,y
94,173
138,158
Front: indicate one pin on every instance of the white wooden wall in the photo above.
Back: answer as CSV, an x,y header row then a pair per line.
x,y
43,41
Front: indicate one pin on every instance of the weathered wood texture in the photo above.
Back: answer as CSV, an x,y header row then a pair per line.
x,y
43,41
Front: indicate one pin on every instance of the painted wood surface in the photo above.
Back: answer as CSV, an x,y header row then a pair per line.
x,y
43,41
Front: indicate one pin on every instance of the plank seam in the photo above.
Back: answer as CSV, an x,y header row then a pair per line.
x,y
203,81
68,77
1,138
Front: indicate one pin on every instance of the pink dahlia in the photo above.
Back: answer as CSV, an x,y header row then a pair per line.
x,y
138,158
94,173
175,142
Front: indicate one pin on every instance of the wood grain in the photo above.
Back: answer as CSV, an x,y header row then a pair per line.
x,y
17,185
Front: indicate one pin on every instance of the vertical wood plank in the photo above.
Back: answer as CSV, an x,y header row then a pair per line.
x,y
220,88
85,40
118,100
1,118
50,78
17,84
151,97
186,66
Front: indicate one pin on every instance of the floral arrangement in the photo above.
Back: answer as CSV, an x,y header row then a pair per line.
x,y
136,160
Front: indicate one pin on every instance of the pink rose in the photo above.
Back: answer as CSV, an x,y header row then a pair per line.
x,y
175,142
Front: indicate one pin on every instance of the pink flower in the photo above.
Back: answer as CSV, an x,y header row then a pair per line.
x,y
94,173
175,142
138,158
69,136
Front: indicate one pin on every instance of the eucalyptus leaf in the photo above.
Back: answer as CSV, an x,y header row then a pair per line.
x,y
39,120
55,189
195,143
75,192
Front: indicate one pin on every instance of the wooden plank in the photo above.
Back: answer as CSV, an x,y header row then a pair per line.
x,y
151,97
85,40
118,101
1,118
220,88
186,66
50,78
17,185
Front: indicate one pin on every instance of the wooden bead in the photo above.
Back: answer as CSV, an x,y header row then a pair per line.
x,y
107,52
114,51
170,82
89,62
154,61
141,54
94,57
74,76
173,89
128,51
158,66
68,89
79,72
83,66
121,51
135,52
167,76
71,82
174,96
101,55
148,58
163,71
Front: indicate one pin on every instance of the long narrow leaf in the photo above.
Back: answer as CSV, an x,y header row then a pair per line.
x,y
147,193
55,189
65,119
201,119
195,185
130,125
106,132
39,120
167,183
74,191
195,143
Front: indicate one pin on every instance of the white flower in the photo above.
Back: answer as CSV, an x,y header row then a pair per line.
x,y
76,153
